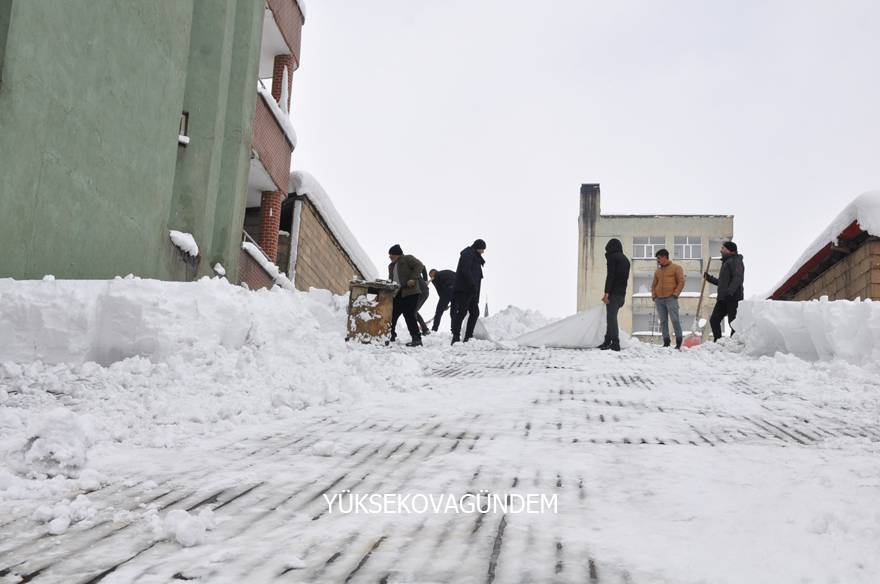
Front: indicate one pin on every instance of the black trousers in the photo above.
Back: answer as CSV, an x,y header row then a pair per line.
x,y
423,297
442,306
612,328
723,308
465,302
406,306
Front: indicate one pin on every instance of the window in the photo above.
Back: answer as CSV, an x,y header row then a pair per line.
x,y
5,17
642,283
183,132
644,248
688,247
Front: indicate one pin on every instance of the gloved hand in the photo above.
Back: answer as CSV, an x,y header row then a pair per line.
x,y
706,276
411,283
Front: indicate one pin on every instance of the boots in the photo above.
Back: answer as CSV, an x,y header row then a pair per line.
x,y
615,346
606,344
455,340
678,344
667,342
416,342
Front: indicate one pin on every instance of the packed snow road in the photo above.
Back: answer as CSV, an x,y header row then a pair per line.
x,y
706,466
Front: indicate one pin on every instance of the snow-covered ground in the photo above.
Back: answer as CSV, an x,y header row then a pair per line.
x,y
159,432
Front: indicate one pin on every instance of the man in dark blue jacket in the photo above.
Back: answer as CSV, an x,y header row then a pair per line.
x,y
730,288
444,283
466,291
615,292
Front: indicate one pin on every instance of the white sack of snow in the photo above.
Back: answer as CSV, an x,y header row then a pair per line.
x,y
814,330
56,444
584,330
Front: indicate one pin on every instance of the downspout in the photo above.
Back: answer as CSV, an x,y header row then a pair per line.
x,y
294,237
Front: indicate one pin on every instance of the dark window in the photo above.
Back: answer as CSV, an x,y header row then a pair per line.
x,y
183,132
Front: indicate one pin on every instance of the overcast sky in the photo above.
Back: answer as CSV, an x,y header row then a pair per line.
x,y
433,123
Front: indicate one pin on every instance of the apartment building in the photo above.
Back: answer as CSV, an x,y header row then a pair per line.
x,y
691,240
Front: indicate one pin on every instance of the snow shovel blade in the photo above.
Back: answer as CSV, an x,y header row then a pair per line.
x,y
691,341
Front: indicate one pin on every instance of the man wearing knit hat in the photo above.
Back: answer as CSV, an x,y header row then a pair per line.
x,y
730,288
405,270
466,292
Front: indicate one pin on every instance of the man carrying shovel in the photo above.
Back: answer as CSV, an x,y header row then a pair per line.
x,y
730,288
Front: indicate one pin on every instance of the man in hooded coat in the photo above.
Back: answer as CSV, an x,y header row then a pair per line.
x,y
466,291
615,292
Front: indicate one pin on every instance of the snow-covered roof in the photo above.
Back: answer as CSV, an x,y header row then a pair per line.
x,y
304,184
863,210
282,117
302,8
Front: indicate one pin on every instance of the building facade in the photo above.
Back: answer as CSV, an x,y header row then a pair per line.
x,y
691,240
124,121
316,249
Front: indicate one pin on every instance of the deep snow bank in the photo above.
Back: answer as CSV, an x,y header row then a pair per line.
x,y
815,330
154,363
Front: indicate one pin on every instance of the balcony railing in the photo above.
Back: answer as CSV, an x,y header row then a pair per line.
x,y
271,144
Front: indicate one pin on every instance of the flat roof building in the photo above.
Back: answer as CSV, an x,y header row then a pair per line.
x,y
690,239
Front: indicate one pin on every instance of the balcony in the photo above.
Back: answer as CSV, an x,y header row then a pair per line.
x,y
282,34
272,143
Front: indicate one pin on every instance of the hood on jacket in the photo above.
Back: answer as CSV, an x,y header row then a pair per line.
x,y
470,250
614,246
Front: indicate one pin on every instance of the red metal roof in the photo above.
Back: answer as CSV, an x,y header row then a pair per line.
x,y
850,232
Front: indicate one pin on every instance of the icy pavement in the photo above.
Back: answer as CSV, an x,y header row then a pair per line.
x,y
700,467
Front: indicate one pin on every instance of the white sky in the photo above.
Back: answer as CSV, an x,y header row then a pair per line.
x,y
433,123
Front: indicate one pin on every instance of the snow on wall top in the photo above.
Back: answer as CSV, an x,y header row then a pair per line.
x,y
185,241
304,184
282,118
865,209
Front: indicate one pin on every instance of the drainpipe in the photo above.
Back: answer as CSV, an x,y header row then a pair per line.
x,y
294,238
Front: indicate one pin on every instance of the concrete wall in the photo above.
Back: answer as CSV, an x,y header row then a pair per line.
x,y
321,262
91,174
595,230
855,276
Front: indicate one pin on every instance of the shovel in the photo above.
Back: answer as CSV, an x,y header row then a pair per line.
x,y
693,339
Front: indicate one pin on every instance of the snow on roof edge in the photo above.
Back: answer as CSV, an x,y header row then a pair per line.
x,y
302,8
304,184
282,118
865,209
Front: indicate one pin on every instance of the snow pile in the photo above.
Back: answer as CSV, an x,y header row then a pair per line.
x,y
818,330
57,444
59,517
304,184
865,209
584,330
184,528
513,322
157,363
185,241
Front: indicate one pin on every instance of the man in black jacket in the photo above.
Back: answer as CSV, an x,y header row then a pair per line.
x,y
444,282
615,292
730,288
466,290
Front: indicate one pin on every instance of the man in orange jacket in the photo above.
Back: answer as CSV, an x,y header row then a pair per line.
x,y
667,287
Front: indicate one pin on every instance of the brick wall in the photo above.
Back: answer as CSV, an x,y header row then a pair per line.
x,y
855,276
290,22
321,262
271,145
252,273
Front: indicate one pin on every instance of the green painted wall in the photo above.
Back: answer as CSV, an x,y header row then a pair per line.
x,y
91,175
